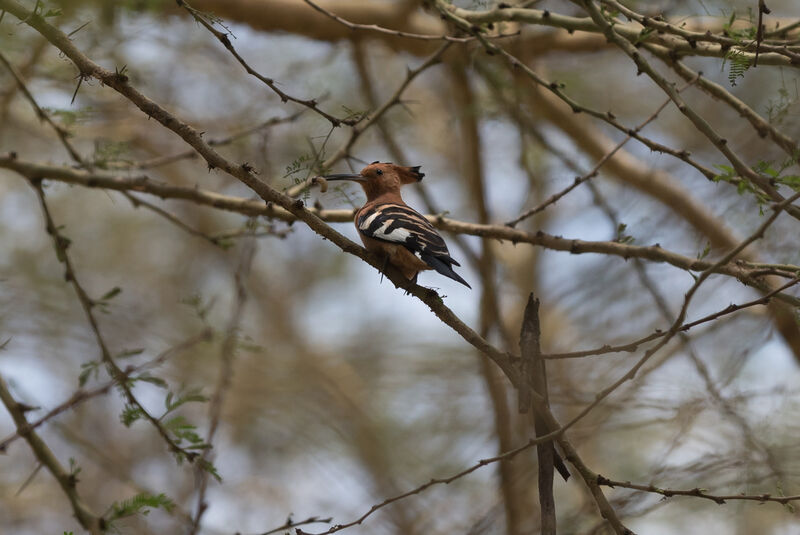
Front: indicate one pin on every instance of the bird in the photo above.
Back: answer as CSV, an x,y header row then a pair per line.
x,y
389,227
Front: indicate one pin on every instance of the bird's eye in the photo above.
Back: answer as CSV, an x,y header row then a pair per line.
x,y
379,172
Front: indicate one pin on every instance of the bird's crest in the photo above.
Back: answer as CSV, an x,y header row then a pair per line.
x,y
409,175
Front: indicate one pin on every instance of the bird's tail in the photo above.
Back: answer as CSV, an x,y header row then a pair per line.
x,y
443,266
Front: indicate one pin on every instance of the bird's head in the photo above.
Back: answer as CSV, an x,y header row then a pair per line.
x,y
380,178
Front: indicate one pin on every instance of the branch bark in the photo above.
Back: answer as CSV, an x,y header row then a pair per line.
x,y
533,370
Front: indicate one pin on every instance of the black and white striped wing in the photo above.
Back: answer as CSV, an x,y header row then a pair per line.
x,y
397,223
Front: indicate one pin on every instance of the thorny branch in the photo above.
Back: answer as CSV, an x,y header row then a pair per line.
x,y
90,521
702,125
633,346
144,184
81,395
387,31
446,480
244,173
293,524
292,210
312,104
612,33
777,209
697,493
681,41
61,244
595,170
372,117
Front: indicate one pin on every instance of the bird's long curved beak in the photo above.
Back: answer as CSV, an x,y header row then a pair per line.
x,y
344,176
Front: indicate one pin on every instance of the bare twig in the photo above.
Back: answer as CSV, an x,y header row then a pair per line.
x,y
137,202
676,325
594,171
43,116
293,524
312,104
697,493
443,481
219,142
227,353
387,31
372,117
633,346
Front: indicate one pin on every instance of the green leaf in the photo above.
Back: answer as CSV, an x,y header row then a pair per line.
x,y
705,251
739,63
74,469
153,380
182,429
173,401
741,187
113,292
126,353
87,369
793,181
621,236
130,414
140,504
206,465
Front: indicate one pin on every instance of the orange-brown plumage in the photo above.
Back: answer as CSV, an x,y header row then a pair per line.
x,y
389,227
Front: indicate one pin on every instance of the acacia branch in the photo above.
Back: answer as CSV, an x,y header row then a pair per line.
x,y
777,209
61,243
692,38
222,37
534,371
144,184
595,170
682,42
372,117
379,29
43,116
89,520
445,481
719,499
557,90
633,346
243,172
81,395
612,34
762,127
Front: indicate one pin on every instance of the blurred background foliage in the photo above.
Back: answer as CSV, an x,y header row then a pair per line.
x,y
344,391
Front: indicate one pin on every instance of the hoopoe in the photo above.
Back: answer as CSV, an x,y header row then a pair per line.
x,y
389,227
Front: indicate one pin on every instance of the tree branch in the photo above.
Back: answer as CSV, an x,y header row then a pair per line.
x,y
89,520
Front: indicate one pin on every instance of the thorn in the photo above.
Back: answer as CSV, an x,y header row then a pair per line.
x,y
24,407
